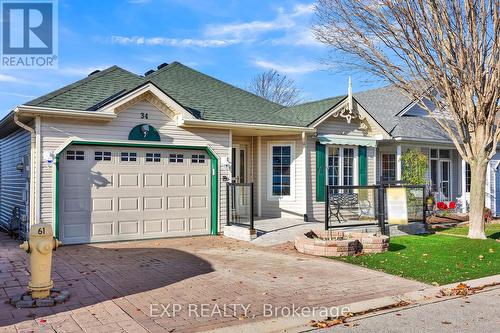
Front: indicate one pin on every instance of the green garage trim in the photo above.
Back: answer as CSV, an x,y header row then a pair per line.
x,y
320,172
362,166
214,177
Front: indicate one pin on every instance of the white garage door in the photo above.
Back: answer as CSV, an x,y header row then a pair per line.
x,y
110,193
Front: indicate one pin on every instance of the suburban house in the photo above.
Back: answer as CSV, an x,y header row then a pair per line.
x,y
119,156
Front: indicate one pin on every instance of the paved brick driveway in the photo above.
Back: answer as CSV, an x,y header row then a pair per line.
x,y
113,285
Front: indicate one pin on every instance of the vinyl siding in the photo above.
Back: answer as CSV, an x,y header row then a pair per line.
x,y
56,131
340,126
14,185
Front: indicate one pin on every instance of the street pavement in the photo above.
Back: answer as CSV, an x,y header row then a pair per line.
x,y
479,312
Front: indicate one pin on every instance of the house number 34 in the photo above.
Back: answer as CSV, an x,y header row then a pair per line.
x,y
144,115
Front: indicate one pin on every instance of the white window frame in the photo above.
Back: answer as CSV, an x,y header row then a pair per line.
x,y
153,157
355,167
438,160
382,165
293,158
74,154
102,156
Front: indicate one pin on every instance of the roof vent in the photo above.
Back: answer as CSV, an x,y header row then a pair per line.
x,y
151,71
94,72
162,65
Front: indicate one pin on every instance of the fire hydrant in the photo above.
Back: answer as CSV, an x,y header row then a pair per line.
x,y
40,245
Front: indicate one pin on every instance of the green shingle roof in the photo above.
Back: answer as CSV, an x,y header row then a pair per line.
x,y
204,96
307,113
89,91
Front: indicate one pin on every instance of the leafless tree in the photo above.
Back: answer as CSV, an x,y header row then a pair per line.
x,y
275,87
446,51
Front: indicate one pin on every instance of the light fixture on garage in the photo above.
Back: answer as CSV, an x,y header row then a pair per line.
x,y
145,129
20,167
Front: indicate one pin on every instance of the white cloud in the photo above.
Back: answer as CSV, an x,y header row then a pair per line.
x,y
293,24
176,42
10,78
283,21
298,68
8,93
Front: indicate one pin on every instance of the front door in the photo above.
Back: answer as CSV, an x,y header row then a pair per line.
x,y
445,170
238,166
341,166
240,195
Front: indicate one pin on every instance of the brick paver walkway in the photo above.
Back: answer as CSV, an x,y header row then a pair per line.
x,y
113,285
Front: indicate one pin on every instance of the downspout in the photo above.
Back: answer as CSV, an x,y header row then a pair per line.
x,y
38,135
32,164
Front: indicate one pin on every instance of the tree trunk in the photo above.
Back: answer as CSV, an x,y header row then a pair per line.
x,y
477,199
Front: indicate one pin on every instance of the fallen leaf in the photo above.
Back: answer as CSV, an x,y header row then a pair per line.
x,y
445,322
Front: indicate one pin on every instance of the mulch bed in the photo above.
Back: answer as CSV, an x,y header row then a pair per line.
x,y
451,218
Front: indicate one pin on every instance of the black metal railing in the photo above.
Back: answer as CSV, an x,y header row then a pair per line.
x,y
239,203
357,206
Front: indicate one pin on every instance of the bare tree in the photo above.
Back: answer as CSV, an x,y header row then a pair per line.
x,y
446,51
275,87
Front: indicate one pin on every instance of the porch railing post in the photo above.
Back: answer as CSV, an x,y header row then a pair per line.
x,y
381,205
424,206
327,208
251,206
228,208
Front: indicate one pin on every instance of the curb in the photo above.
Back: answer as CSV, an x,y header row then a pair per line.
x,y
300,324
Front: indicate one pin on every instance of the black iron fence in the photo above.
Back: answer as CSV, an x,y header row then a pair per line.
x,y
239,203
351,206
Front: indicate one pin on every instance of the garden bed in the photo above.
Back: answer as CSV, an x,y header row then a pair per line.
x,y
340,243
447,218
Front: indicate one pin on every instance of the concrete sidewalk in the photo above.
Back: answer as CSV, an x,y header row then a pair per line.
x,y
114,285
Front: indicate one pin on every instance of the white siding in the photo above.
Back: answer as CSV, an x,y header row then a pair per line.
x,y
14,186
56,131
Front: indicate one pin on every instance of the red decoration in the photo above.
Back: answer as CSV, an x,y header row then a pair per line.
x,y
441,205
452,205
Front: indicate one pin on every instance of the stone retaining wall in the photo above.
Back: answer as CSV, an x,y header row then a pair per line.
x,y
341,243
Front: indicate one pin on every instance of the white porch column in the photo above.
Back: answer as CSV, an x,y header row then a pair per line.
x,y
398,162
259,176
464,203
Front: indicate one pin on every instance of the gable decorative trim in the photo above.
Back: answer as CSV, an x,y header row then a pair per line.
x,y
150,98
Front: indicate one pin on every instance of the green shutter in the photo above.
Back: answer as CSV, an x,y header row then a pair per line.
x,y
362,166
320,172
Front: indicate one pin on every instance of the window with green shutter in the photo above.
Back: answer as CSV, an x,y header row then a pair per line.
x,y
362,166
320,172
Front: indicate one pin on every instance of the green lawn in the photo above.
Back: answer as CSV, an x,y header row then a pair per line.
x,y
492,231
437,258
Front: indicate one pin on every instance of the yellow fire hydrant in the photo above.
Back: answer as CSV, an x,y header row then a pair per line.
x,y
40,245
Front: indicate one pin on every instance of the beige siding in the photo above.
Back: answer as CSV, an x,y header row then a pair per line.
x,y
339,126
14,190
56,131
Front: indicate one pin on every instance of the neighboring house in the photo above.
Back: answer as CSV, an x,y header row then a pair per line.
x,y
119,156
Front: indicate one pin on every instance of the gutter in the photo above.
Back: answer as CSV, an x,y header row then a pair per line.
x,y
181,122
43,111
